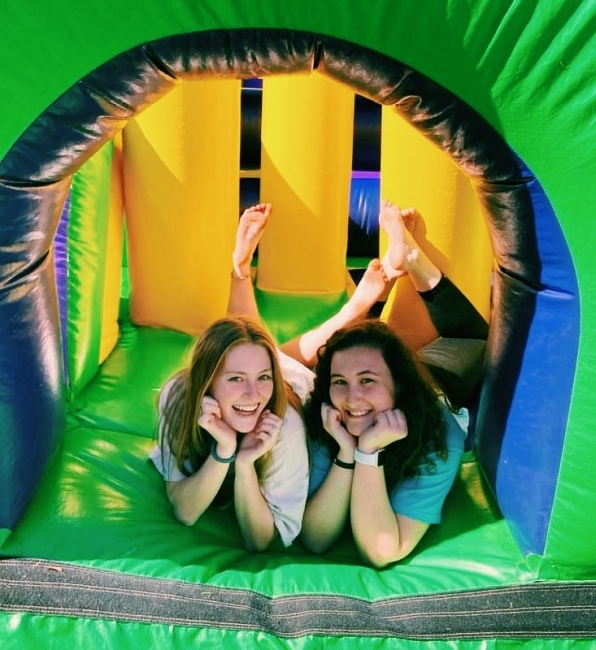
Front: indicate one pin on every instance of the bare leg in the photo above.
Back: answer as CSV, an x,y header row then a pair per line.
x,y
450,311
375,285
455,359
251,226
404,255
371,288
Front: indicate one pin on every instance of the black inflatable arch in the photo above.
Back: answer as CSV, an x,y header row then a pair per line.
x,y
35,176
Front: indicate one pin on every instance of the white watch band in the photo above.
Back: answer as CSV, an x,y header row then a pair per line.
x,y
374,459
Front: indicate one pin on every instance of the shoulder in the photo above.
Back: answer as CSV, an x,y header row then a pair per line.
x,y
300,378
291,442
455,437
291,425
456,426
171,388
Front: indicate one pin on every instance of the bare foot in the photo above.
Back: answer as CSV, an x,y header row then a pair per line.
x,y
250,228
372,287
395,223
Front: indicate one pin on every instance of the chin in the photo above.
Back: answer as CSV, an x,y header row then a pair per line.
x,y
357,430
241,425
244,427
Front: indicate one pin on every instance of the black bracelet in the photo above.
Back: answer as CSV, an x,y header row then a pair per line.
x,y
340,463
218,458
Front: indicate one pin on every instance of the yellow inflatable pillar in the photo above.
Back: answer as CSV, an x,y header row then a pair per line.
x,y
306,162
451,228
181,159
113,264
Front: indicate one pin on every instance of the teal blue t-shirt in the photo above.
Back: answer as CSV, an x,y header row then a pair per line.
x,y
420,498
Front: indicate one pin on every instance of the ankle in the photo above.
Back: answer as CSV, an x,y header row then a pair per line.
x,y
354,310
391,272
422,272
240,270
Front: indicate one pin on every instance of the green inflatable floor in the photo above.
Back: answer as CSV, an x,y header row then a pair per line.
x,y
103,504
100,523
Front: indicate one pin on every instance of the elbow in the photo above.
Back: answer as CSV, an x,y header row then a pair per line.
x,y
378,561
316,538
255,547
383,553
258,540
184,517
314,544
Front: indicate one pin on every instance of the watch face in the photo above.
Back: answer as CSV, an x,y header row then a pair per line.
x,y
374,460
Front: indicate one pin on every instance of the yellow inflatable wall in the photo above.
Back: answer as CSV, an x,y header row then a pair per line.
x,y
181,163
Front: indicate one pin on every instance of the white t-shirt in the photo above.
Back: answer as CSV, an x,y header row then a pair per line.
x,y
300,378
285,482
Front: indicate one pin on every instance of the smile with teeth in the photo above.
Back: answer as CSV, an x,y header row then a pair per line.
x,y
358,414
245,409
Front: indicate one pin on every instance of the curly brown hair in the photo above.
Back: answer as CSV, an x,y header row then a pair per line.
x,y
414,395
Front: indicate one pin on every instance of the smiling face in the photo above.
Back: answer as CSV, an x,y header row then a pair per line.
x,y
361,387
243,386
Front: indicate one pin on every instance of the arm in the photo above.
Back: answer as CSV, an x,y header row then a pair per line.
x,y
253,513
415,503
328,508
191,496
252,510
285,481
381,536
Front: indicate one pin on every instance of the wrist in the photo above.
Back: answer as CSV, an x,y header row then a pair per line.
x,y
244,467
346,455
345,458
222,454
240,271
371,458
343,464
367,447
238,275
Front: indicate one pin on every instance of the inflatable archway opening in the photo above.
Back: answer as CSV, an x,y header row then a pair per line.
x,y
523,228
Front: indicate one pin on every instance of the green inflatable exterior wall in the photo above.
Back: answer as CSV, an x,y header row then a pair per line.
x,y
527,67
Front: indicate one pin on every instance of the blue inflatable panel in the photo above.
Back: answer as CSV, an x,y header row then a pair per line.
x,y
526,396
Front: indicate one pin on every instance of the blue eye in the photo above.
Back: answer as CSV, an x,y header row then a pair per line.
x,y
236,379
265,378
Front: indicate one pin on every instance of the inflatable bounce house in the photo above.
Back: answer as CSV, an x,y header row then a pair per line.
x,y
131,135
